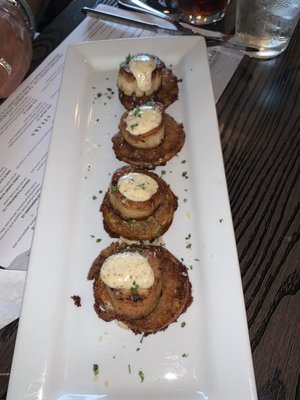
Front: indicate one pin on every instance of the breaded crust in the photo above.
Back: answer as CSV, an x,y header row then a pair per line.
x,y
149,228
150,158
166,94
123,304
175,297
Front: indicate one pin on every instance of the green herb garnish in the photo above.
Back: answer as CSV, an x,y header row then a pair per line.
x,y
141,374
114,188
96,369
134,287
134,291
137,112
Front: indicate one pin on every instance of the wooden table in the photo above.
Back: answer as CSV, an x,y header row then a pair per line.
x,y
259,118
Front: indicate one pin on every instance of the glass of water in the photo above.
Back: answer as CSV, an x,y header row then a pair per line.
x,y
266,24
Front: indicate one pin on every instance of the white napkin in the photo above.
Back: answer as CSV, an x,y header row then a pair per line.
x,y
11,294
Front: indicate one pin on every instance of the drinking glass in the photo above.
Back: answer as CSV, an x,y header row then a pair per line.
x,y
202,12
266,24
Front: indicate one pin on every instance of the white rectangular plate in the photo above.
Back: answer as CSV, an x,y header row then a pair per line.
x,y
206,357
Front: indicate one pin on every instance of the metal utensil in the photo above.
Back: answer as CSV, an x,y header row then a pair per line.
x,y
174,18
143,7
114,14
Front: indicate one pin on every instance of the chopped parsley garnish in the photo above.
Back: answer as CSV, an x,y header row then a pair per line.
x,y
163,172
149,103
131,222
187,238
185,355
141,374
96,369
133,126
92,236
137,112
134,287
94,197
127,60
138,349
134,291
183,324
98,240
185,175
129,368
114,188
183,161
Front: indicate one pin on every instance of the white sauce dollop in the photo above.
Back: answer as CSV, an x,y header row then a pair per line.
x,y
142,119
142,66
127,270
137,186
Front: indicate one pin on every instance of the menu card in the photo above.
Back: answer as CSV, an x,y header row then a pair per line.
x,y
26,120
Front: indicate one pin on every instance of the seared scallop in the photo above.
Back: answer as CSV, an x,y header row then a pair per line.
x,y
144,126
138,205
172,142
144,77
143,286
131,280
140,75
134,194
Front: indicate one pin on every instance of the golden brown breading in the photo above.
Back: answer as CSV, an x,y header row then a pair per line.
x,y
130,209
150,158
172,300
148,228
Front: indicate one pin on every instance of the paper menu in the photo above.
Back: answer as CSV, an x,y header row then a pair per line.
x,y
26,120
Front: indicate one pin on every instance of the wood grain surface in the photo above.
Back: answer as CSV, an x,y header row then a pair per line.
x,y
259,119
260,132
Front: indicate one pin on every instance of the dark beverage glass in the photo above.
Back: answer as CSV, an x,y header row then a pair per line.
x,y
202,12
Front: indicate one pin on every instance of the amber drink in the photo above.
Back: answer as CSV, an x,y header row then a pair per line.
x,y
202,12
